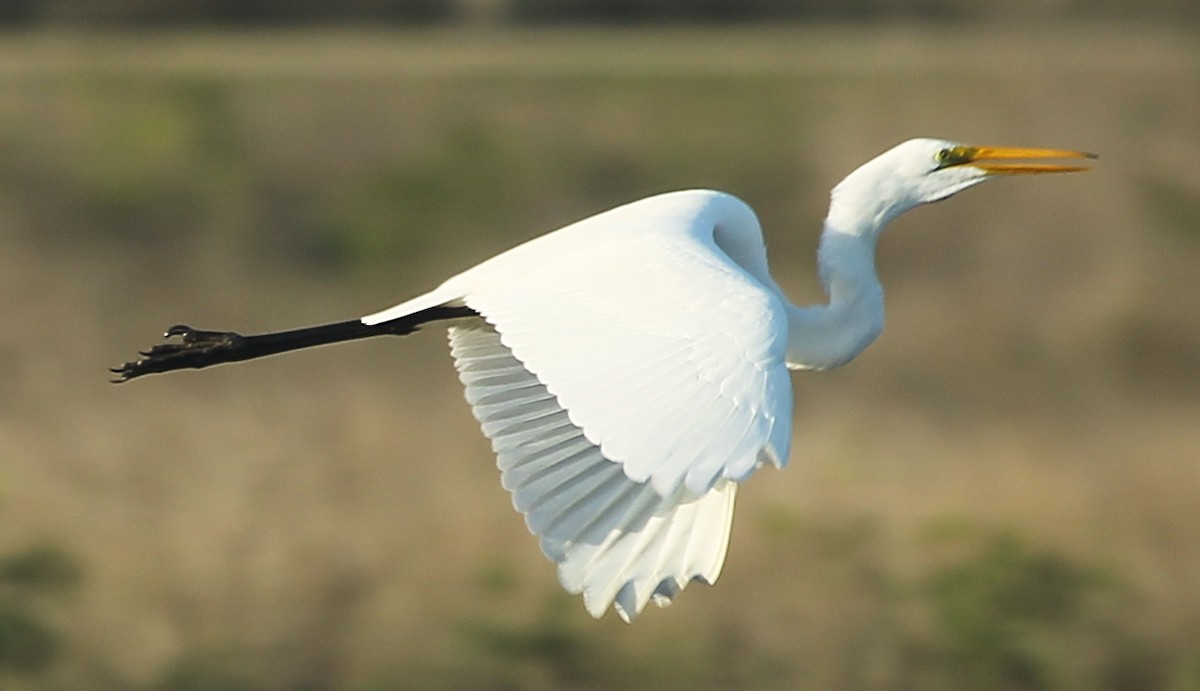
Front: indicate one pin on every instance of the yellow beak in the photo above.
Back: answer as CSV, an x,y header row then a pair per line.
x,y
985,157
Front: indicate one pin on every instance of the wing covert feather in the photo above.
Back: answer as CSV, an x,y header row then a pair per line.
x,y
668,354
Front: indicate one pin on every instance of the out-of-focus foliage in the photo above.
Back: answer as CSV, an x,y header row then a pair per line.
x,y
258,12
998,610
29,643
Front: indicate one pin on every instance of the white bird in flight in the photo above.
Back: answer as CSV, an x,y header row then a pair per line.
x,y
631,369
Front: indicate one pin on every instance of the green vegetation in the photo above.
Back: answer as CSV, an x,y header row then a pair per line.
x,y
174,13
29,582
163,161
1174,206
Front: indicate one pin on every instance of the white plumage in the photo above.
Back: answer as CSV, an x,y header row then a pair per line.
x,y
616,540
632,368
628,374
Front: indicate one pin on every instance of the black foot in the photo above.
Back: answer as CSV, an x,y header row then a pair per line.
x,y
194,350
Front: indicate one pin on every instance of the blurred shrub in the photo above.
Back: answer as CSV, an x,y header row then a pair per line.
x,y
976,608
28,644
391,214
198,673
202,170
43,567
175,12
1000,614
125,159
508,653
1173,205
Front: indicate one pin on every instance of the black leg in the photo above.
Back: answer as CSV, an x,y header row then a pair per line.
x,y
196,348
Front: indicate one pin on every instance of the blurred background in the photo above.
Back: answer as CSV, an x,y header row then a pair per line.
x,y
1002,493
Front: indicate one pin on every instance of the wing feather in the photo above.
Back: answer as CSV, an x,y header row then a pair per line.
x,y
630,371
615,540
668,354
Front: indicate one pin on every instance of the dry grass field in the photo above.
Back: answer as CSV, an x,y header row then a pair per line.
x,y
1002,493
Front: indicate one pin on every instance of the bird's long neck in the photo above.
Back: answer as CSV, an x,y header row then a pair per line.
x,y
825,336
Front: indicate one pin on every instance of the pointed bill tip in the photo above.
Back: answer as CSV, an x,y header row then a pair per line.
x,y
1014,160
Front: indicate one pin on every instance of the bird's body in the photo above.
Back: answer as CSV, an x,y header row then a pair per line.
x,y
629,372
631,369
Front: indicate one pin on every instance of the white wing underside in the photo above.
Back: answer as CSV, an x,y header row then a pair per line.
x,y
615,540
630,373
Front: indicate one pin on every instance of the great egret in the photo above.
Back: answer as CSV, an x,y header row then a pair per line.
x,y
631,369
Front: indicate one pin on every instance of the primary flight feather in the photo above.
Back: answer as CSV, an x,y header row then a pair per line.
x,y
631,369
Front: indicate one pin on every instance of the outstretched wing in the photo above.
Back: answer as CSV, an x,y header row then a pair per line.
x,y
664,351
630,373
615,540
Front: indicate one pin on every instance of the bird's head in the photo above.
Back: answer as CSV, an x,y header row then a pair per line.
x,y
920,171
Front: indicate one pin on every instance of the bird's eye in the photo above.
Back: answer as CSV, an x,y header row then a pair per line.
x,y
944,156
